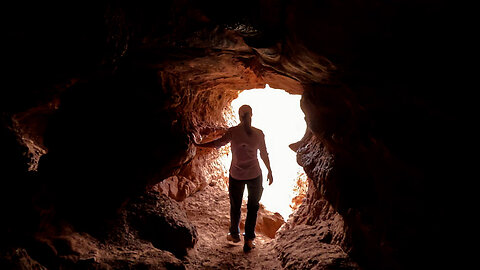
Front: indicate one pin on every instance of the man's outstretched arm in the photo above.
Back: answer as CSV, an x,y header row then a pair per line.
x,y
216,143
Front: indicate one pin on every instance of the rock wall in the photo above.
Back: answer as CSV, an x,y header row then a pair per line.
x,y
385,93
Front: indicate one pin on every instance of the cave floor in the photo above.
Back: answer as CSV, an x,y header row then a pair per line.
x,y
209,211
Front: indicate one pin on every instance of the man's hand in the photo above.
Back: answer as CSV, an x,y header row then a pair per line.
x,y
196,140
270,177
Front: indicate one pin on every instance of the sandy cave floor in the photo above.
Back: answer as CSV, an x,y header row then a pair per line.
x,y
209,211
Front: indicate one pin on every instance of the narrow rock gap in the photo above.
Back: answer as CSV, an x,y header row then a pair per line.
x,y
208,209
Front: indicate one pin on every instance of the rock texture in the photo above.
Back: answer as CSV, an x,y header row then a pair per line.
x,y
268,223
162,221
136,239
176,187
100,103
209,210
71,250
19,259
296,252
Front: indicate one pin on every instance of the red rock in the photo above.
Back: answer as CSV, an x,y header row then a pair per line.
x,y
385,91
176,187
268,222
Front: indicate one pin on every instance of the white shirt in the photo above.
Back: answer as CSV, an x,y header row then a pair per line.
x,y
244,147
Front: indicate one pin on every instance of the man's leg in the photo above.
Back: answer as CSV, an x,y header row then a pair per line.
x,y
235,191
255,190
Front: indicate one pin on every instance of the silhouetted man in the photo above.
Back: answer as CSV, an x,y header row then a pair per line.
x,y
244,170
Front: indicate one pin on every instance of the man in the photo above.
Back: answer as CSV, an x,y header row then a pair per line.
x,y
244,170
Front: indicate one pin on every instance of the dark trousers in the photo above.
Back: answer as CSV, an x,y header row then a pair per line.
x,y
235,190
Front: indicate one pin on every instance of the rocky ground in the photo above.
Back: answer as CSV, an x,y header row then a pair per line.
x,y
156,232
209,210
291,247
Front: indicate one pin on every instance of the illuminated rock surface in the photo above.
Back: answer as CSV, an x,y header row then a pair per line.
x,y
103,100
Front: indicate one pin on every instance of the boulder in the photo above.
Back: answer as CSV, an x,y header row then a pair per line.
x,y
176,187
18,258
268,222
309,247
162,221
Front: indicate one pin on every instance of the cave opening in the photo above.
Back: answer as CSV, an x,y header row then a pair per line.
x,y
114,92
278,114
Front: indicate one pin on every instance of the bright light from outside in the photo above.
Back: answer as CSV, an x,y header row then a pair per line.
x,y
278,114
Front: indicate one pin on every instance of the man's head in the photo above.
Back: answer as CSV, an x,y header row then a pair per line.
x,y
245,114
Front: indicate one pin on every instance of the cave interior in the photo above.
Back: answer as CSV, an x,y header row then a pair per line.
x,y
101,101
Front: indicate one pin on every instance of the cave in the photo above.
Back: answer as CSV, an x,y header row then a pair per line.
x,y
101,102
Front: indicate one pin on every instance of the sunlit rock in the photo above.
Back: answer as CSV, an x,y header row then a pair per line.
x,y
268,223
176,187
386,94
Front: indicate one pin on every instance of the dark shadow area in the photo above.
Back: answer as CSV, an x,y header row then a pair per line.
x,y
119,88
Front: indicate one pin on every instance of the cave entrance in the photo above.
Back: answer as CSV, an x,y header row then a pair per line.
x,y
278,114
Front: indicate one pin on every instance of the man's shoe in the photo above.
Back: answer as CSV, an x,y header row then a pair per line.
x,y
233,238
249,245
